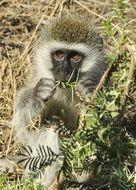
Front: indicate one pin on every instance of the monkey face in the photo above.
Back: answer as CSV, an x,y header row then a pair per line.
x,y
66,64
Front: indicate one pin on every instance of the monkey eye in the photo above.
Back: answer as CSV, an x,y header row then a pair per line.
x,y
59,55
76,58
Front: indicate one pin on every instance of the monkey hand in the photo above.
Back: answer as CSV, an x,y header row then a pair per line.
x,y
86,86
45,88
83,89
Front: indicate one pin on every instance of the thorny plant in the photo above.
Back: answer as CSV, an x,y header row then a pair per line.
x,y
104,145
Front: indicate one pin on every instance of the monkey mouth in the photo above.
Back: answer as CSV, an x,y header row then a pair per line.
x,y
71,77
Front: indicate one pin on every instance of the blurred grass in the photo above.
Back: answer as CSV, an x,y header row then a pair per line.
x,y
6,184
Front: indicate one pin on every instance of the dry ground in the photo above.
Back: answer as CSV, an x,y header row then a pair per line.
x,y
20,21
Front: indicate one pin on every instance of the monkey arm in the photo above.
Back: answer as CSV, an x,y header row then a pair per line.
x,y
30,102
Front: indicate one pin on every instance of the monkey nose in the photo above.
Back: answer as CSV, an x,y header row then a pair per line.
x,y
66,71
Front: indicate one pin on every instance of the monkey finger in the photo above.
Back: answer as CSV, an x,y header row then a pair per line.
x,y
44,88
44,93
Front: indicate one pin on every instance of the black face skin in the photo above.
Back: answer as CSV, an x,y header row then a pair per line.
x,y
66,64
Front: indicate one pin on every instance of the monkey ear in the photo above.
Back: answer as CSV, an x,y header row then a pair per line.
x,y
97,38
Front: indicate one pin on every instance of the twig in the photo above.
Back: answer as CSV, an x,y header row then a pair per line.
x,y
98,15
12,127
132,51
23,56
101,83
84,113
92,12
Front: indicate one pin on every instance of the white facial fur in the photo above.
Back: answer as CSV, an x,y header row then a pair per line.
x,y
44,62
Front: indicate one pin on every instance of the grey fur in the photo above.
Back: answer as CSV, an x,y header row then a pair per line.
x,y
42,97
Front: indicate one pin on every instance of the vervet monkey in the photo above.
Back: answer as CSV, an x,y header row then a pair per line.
x,y
69,49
